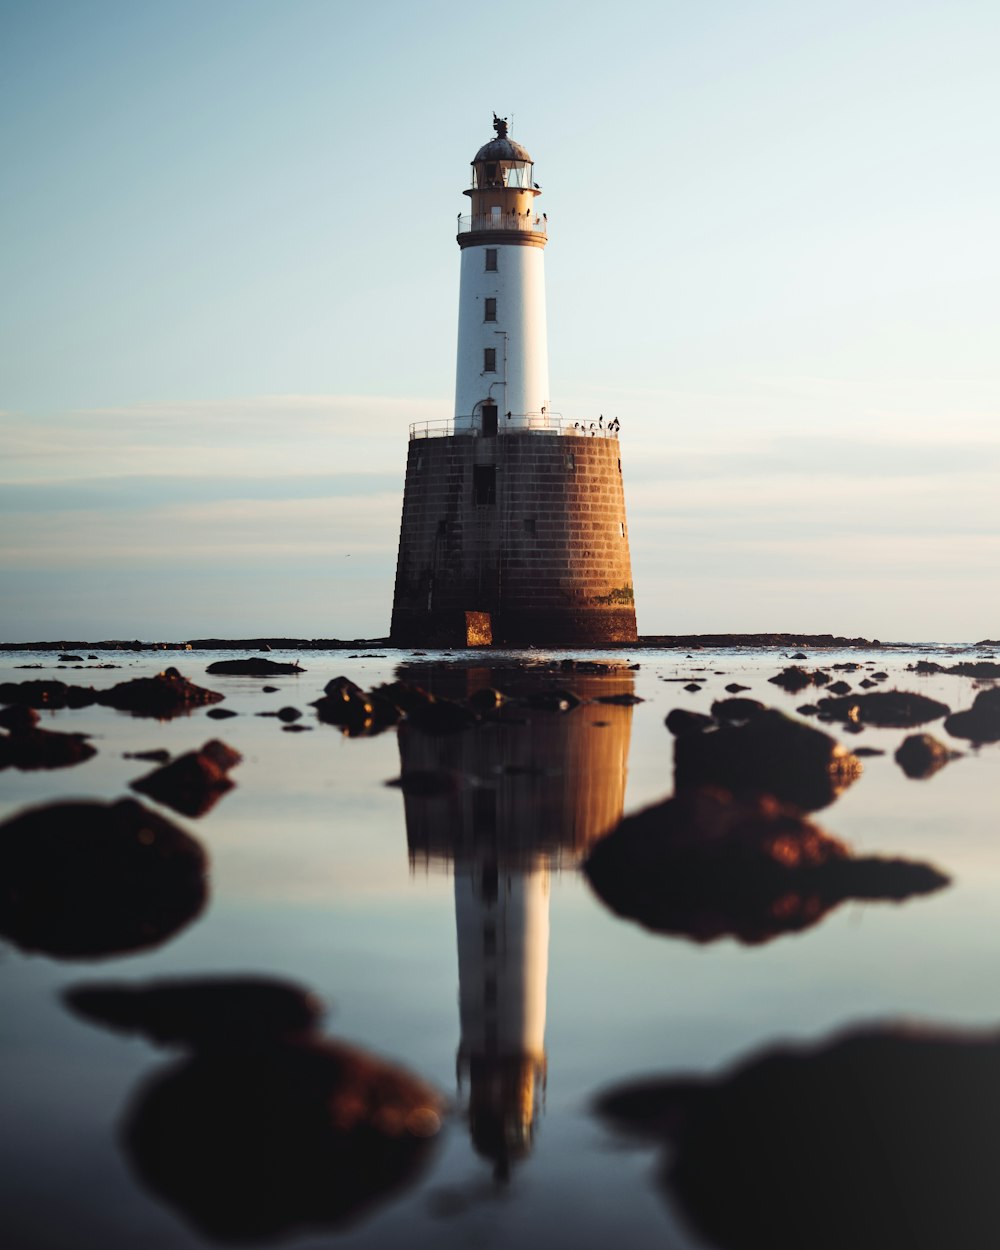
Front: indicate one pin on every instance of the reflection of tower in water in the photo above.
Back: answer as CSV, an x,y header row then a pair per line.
x,y
535,788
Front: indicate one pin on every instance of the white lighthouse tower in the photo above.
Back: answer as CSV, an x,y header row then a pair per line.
x,y
502,378
513,530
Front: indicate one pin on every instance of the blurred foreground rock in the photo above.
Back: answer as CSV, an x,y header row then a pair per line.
x,y
268,1128
193,783
885,1139
705,865
88,879
921,756
979,723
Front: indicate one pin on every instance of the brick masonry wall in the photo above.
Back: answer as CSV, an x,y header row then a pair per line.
x,y
548,557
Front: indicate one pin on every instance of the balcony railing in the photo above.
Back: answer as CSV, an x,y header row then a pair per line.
x,y
516,423
526,223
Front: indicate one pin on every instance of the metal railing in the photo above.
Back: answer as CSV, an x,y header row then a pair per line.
x,y
526,223
516,423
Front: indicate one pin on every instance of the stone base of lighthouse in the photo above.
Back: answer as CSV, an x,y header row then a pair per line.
x,y
528,529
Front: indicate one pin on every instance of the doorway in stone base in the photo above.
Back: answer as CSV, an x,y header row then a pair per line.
x,y
489,420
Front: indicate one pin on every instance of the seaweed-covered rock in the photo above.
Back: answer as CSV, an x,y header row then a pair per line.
x,y
86,879
163,696
704,865
979,723
884,1139
769,753
193,783
888,709
922,755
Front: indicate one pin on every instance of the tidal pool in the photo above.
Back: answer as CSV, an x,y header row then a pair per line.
x,y
590,1067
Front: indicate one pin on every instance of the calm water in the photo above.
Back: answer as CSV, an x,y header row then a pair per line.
x,y
322,874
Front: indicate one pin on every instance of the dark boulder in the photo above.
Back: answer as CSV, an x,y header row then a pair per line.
x,y
254,666
681,721
979,723
19,718
193,783
46,694
88,879
793,679
210,1012
768,754
921,756
32,749
884,1139
267,1129
704,866
888,709
163,696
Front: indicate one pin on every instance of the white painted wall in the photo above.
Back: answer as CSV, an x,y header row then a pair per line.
x,y
518,963
518,285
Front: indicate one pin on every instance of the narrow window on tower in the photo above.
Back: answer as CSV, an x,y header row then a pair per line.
x,y
489,309
484,483
489,360
491,259
621,526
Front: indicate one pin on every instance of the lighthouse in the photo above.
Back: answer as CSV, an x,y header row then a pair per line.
x,y
513,529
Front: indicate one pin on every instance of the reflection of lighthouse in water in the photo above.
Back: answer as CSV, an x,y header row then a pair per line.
x,y
535,791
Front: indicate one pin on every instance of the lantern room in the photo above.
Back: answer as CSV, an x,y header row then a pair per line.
x,y
502,182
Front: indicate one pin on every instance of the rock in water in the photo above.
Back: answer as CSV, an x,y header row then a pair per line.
x,y
888,709
979,723
769,753
253,667
921,755
165,695
268,1128
705,865
207,1013
881,1140
192,783
87,879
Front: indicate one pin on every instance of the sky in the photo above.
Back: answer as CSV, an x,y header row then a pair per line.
x,y
230,283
